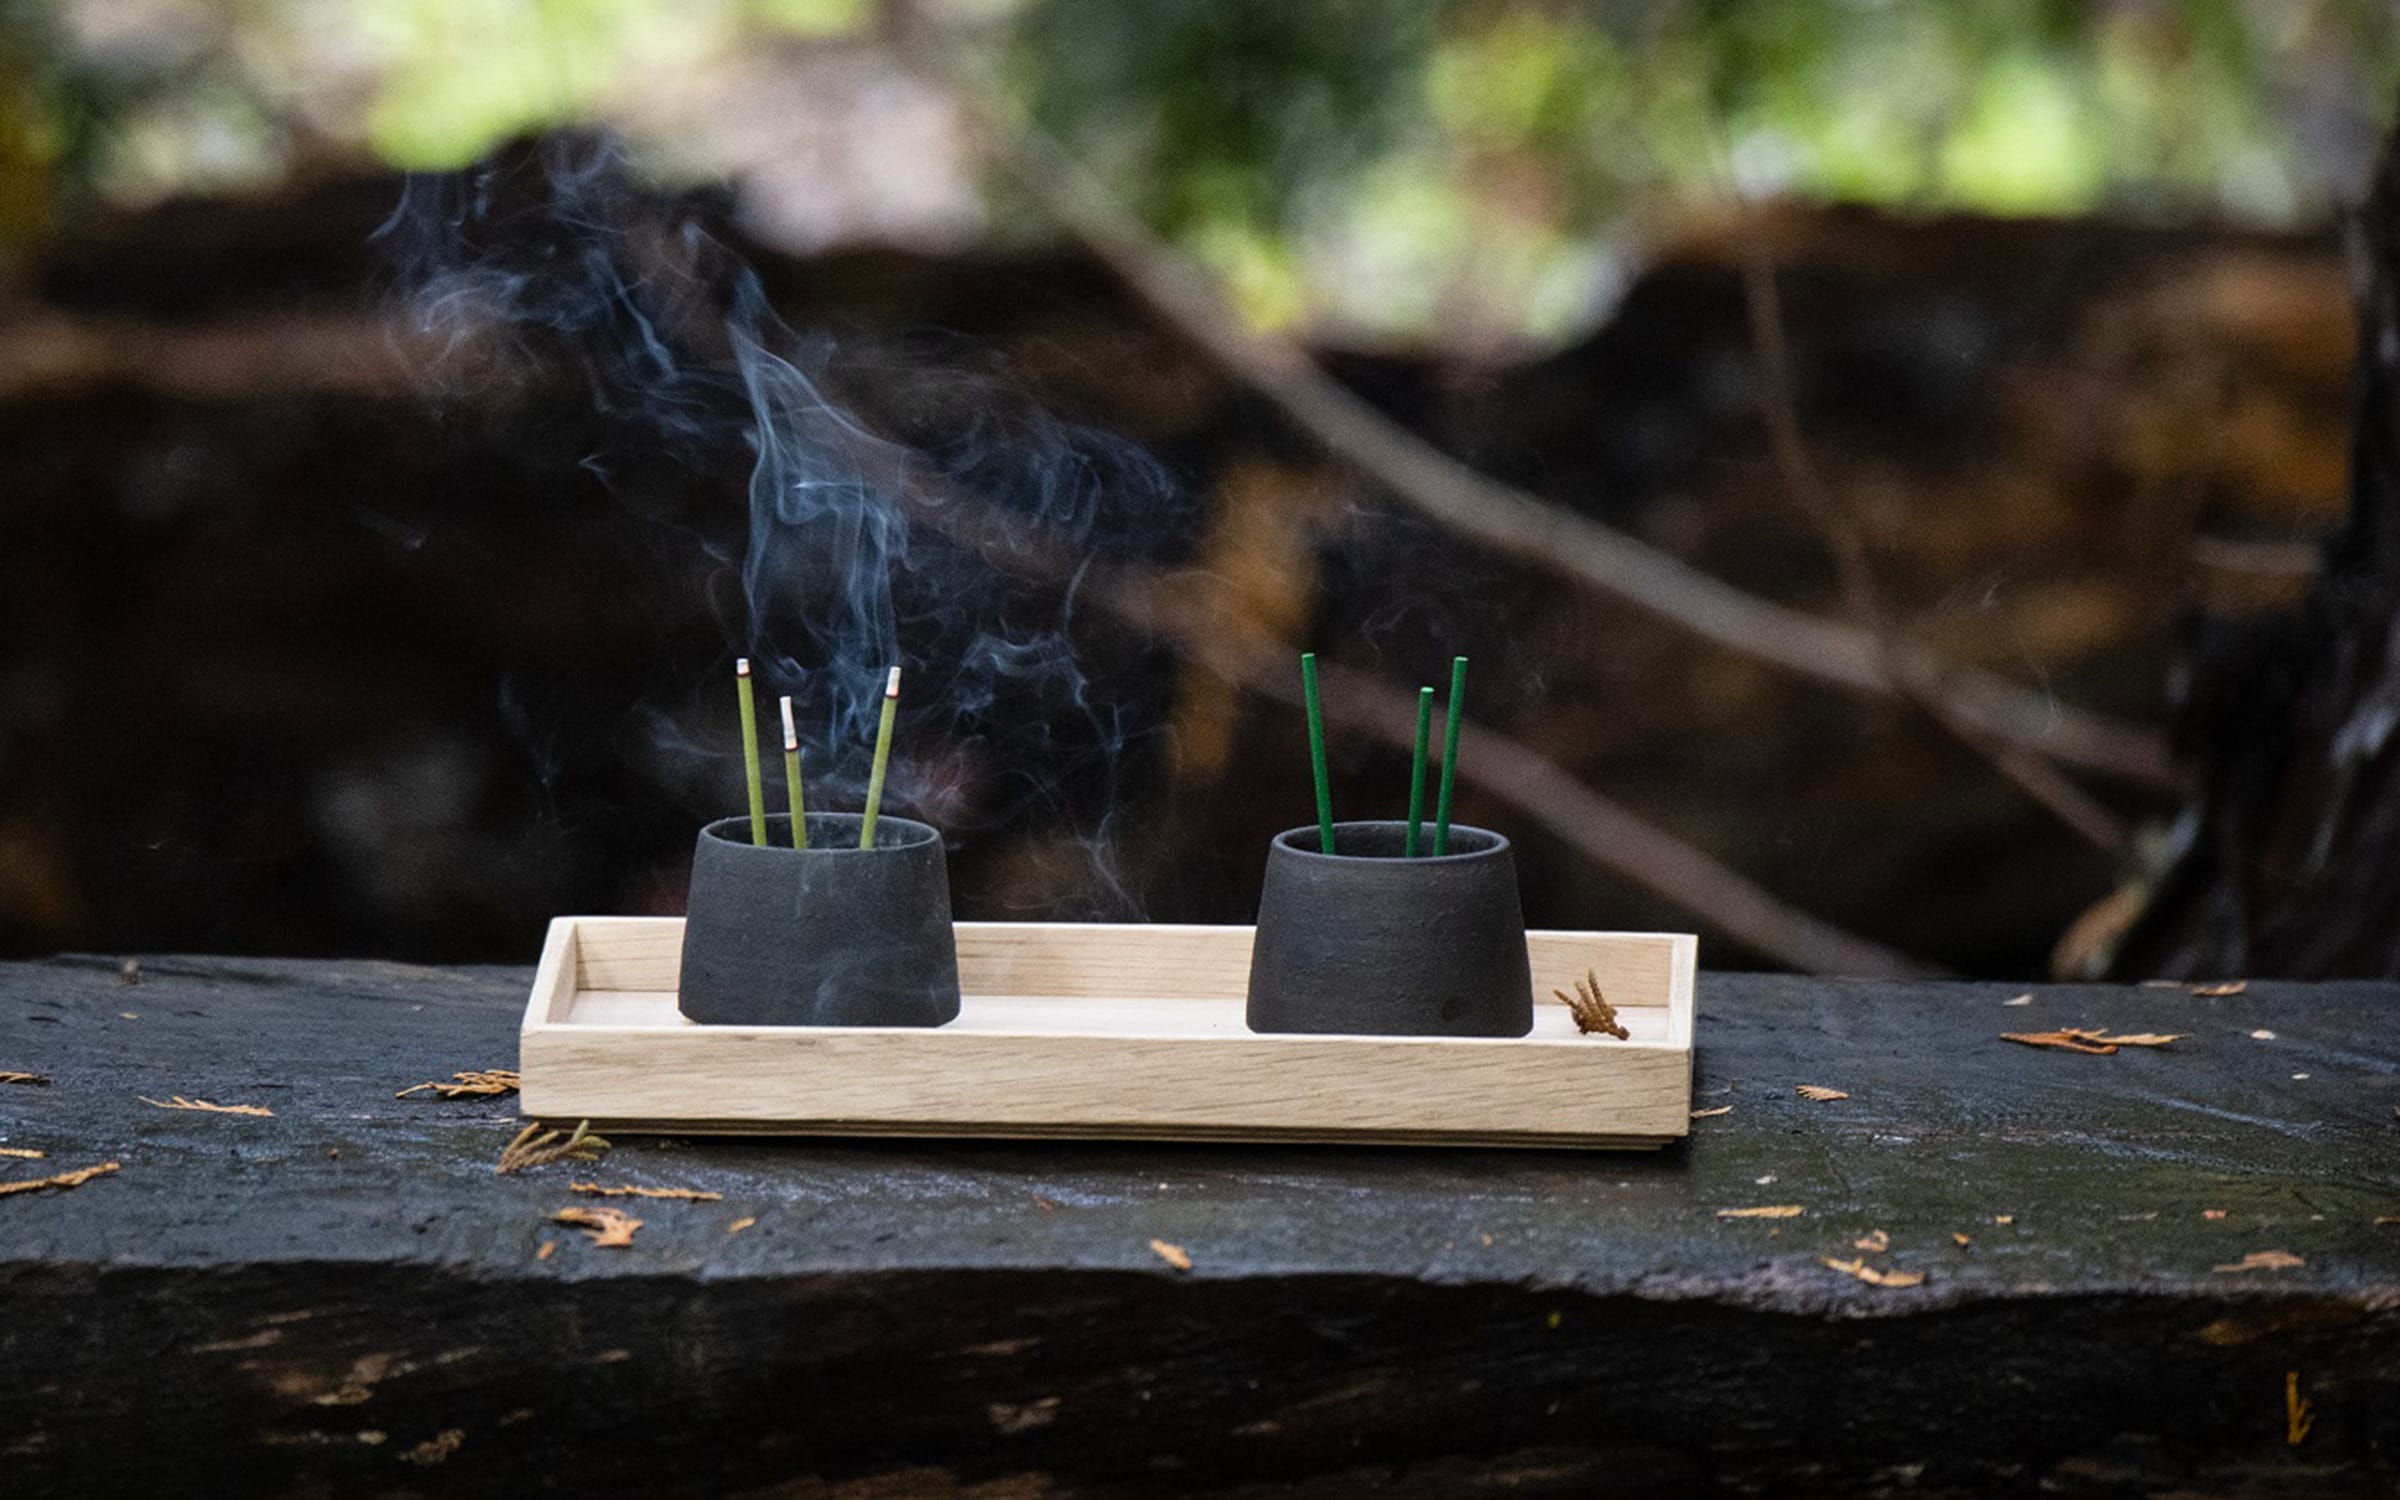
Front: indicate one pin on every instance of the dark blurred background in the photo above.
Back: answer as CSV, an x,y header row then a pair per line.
x,y
319,635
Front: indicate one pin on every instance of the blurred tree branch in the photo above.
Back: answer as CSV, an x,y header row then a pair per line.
x,y
1183,608
1509,520
1904,664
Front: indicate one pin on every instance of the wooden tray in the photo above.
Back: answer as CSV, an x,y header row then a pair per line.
x,y
1117,1031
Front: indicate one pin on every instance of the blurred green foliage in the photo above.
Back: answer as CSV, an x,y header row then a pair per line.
x,y
1476,167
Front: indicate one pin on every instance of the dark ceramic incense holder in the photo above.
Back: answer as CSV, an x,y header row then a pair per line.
x,y
1364,942
829,935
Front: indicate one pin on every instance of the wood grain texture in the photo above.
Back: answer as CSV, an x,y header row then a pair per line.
x,y
1128,1030
307,1304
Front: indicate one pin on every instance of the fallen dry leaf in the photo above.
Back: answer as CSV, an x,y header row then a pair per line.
x,y
1173,1255
485,1083
537,1147
549,1248
1872,1276
1819,1092
2220,990
37,1080
738,1225
2264,1260
2212,1213
436,1449
2004,1218
1710,1114
23,1153
1963,1241
177,1101
2382,1219
2299,1414
2097,1043
76,1178
1591,1010
609,1227
1770,1211
1874,1243
688,1195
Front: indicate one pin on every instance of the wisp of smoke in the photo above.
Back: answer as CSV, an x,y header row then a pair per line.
x,y
555,258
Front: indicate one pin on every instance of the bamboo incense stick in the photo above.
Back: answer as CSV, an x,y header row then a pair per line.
x,y
1316,749
758,793
1416,771
1450,722
791,778
883,760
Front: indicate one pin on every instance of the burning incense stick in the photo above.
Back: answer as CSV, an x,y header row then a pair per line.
x,y
758,794
1450,722
1416,771
1316,749
883,760
791,778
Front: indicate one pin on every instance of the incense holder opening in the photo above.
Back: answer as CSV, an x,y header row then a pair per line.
x,y
829,935
1367,943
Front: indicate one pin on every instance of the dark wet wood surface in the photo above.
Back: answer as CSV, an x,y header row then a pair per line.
x,y
344,1298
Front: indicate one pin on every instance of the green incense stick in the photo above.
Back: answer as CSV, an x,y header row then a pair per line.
x,y
791,778
1416,771
1316,749
1450,722
883,760
758,793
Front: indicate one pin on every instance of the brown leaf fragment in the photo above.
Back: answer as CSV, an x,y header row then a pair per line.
x,y
2096,1043
1591,1010
2004,1218
536,1146
485,1083
23,1153
738,1225
549,1248
2299,1414
1173,1255
1819,1093
2221,989
74,1179
436,1448
34,1080
2263,1260
1770,1211
1875,1242
1710,1114
1963,1241
177,1101
611,1228
687,1195
1874,1276
2212,1213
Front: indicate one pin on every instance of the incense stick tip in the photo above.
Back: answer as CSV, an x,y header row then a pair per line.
x,y
741,666
891,685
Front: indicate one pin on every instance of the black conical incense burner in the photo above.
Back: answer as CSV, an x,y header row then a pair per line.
x,y
828,935
1370,942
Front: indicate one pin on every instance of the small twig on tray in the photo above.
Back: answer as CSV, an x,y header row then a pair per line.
x,y
536,1146
483,1083
1591,1009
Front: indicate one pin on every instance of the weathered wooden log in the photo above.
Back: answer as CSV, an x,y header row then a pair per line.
x,y
344,1298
